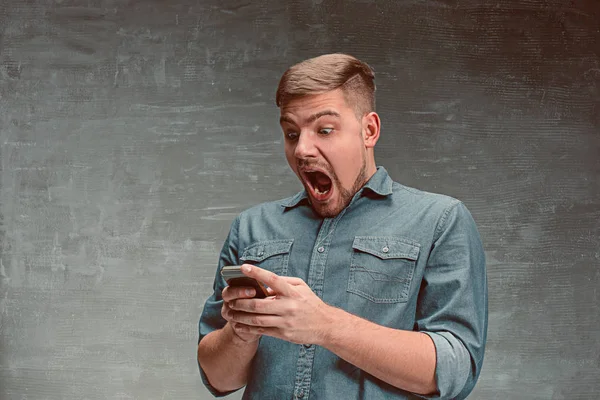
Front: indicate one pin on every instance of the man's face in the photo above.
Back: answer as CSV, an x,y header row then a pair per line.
x,y
325,147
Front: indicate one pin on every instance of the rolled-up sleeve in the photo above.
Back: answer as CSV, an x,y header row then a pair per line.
x,y
452,306
211,319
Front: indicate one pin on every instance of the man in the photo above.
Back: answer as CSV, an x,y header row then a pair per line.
x,y
378,290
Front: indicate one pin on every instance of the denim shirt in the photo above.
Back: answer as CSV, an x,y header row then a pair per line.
x,y
396,256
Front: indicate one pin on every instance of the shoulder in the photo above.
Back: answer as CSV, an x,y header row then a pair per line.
x,y
440,211
421,199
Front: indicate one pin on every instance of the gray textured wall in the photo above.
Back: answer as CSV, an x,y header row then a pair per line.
x,y
132,132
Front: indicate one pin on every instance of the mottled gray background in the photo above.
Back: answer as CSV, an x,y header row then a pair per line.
x,y
132,132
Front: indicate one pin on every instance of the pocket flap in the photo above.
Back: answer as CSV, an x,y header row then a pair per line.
x,y
386,247
259,251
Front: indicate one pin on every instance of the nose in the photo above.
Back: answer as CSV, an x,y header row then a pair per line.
x,y
305,146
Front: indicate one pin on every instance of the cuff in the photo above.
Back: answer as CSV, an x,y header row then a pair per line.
x,y
210,387
452,365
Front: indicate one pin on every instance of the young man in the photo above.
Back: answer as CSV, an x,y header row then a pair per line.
x,y
378,290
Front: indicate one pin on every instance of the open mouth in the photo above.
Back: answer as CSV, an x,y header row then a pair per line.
x,y
320,184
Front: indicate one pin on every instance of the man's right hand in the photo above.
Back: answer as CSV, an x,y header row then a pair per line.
x,y
232,293
226,354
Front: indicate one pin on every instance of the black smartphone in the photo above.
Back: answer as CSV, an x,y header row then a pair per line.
x,y
234,276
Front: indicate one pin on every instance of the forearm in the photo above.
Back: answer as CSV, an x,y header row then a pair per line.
x,y
226,359
404,359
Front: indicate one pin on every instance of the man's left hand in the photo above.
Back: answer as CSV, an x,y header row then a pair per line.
x,y
294,313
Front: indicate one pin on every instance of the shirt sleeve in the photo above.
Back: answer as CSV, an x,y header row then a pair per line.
x,y
453,303
211,319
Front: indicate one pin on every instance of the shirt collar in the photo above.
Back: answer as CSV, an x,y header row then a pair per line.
x,y
380,183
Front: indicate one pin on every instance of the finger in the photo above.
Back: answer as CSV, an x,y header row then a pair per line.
x,y
274,281
251,330
292,280
226,312
258,306
243,334
232,293
261,331
252,319
238,327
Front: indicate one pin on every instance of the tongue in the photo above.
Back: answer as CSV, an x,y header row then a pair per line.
x,y
322,179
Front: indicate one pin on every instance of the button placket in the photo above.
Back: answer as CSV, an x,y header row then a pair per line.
x,y
314,280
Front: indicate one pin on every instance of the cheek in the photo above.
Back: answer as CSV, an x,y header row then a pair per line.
x,y
291,161
343,174
289,153
347,167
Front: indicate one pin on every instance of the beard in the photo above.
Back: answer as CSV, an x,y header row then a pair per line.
x,y
344,195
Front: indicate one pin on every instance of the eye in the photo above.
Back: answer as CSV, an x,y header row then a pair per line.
x,y
291,135
326,131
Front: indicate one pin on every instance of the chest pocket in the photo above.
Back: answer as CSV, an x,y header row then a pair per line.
x,y
382,268
272,255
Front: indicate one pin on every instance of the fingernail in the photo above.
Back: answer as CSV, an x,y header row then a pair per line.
x,y
246,268
249,292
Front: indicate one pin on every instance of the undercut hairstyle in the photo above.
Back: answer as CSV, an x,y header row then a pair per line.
x,y
328,72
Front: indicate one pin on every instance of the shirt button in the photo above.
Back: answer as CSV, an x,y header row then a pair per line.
x,y
300,394
385,249
321,249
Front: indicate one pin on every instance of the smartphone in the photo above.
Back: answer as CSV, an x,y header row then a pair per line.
x,y
234,276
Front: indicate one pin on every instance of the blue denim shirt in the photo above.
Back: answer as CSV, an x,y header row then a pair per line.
x,y
397,256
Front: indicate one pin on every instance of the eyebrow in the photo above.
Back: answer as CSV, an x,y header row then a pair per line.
x,y
312,118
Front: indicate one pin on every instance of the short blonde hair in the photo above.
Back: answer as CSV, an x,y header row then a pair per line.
x,y
329,72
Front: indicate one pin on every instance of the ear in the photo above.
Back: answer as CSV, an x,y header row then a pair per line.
x,y
371,125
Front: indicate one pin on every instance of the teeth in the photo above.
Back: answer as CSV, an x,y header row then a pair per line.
x,y
319,192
